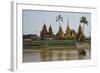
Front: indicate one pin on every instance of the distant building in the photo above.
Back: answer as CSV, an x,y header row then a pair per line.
x,y
27,38
46,34
35,37
30,38
60,34
80,35
70,33
73,34
50,32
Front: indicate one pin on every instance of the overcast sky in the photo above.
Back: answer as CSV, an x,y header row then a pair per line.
x,y
33,21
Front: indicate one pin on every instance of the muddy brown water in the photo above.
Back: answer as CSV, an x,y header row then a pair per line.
x,y
55,55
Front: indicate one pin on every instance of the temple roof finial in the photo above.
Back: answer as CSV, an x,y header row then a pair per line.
x,y
67,20
50,25
44,21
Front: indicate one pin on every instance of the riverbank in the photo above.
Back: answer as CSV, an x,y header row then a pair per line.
x,y
52,48
51,45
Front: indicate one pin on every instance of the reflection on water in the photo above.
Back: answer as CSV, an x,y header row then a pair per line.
x,y
54,55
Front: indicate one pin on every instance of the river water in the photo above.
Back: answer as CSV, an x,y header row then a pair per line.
x,y
54,55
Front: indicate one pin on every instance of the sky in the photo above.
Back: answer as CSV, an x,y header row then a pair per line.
x,y
33,21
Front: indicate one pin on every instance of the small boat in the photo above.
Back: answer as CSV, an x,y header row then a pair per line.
x,y
82,52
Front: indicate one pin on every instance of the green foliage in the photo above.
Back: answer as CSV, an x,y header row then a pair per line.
x,y
83,20
53,42
59,18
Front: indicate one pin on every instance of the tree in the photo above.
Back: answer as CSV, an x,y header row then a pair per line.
x,y
59,18
84,21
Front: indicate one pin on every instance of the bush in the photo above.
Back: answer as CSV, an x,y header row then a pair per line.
x,y
54,42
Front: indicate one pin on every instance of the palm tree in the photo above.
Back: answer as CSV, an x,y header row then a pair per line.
x,y
59,18
84,21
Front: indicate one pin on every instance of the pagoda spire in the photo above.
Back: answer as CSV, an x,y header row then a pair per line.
x,y
67,21
44,22
68,27
80,34
44,32
50,32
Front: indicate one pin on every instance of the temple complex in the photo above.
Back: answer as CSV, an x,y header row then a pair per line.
x,y
69,34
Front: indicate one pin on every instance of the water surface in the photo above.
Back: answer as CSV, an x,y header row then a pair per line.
x,y
55,55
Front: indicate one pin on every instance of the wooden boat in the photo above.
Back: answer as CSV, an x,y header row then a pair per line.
x,y
82,52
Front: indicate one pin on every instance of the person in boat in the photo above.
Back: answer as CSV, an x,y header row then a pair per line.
x,y
82,52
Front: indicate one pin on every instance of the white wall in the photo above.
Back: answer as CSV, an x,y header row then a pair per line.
x,y
5,35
